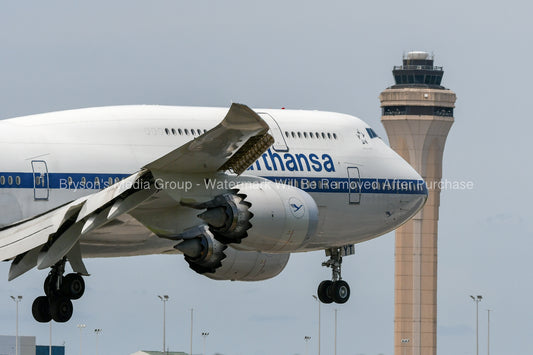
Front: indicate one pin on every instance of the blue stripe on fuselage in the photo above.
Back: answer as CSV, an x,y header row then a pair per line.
x,y
308,184
345,185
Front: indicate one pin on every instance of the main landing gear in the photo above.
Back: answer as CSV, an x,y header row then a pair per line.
x,y
59,291
336,290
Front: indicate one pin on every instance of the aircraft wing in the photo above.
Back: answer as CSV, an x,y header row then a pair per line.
x,y
44,240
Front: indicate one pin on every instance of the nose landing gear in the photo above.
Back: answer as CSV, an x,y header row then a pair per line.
x,y
336,290
59,291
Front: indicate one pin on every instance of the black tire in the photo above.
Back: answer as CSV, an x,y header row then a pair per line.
x,y
340,291
41,309
73,286
47,285
61,309
324,291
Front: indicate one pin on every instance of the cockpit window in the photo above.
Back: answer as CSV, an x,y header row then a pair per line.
x,y
372,133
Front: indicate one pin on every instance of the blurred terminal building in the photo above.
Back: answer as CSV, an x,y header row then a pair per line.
x,y
26,346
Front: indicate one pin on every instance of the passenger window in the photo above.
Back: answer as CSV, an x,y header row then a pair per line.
x,y
311,135
117,180
17,180
299,135
2,180
69,179
10,180
293,135
167,131
180,131
323,135
110,181
329,135
199,132
173,131
335,135
186,131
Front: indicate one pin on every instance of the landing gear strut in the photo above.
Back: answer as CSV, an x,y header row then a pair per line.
x,y
59,291
336,290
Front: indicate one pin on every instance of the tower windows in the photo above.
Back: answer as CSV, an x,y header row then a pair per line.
x,y
418,110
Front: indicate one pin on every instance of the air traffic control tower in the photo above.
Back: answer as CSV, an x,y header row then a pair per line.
x,y
417,113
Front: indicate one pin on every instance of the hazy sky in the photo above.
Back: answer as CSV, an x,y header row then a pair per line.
x,y
334,56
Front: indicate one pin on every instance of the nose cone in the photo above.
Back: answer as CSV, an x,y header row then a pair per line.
x,y
410,187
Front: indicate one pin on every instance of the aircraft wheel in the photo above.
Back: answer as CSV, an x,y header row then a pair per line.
x,y
73,286
340,291
324,293
61,309
47,285
41,309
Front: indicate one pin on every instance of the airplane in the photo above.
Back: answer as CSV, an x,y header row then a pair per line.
x,y
236,191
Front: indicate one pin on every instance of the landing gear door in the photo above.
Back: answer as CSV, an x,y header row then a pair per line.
x,y
354,186
41,182
280,145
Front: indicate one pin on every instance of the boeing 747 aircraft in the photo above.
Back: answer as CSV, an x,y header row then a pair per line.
x,y
235,191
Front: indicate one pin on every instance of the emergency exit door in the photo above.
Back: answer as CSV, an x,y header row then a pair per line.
x,y
354,186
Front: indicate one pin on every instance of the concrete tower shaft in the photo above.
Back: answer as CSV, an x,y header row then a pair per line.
x,y
417,114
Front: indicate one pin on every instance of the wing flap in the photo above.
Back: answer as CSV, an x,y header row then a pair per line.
x,y
33,233
103,197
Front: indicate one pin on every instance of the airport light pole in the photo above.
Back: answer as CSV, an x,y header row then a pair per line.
x,y
80,327
97,331
50,347
335,331
192,317
488,331
318,301
164,299
306,339
477,299
205,335
17,301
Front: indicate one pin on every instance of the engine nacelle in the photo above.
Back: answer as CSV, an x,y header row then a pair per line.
x,y
264,216
249,266
207,256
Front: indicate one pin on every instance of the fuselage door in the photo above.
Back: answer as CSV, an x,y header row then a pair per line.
x,y
41,182
280,145
354,186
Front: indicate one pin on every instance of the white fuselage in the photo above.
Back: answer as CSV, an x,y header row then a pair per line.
x,y
363,189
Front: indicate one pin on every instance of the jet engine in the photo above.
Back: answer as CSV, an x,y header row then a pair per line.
x,y
263,216
211,258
